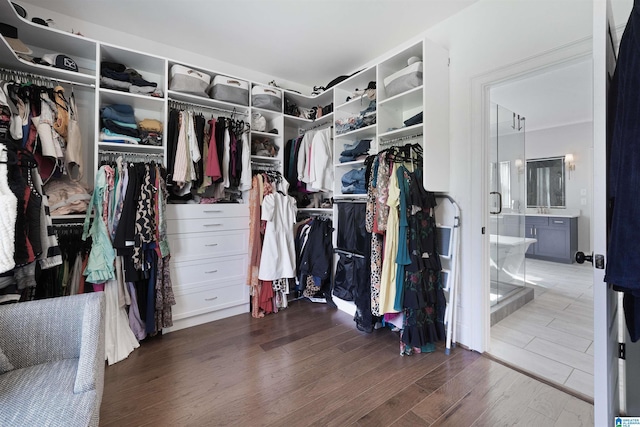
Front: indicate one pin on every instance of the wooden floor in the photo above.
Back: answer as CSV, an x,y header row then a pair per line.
x,y
309,365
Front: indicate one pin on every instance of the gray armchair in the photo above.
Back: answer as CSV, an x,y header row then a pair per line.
x,y
56,349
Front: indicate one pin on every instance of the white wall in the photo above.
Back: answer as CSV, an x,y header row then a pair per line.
x,y
205,60
482,39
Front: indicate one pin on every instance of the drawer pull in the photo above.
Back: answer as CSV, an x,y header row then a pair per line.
x,y
211,271
210,211
211,244
558,221
211,299
211,225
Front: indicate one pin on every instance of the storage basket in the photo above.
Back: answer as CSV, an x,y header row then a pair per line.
x,y
187,80
403,80
267,98
230,90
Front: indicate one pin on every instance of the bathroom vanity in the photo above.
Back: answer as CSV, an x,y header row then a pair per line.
x,y
556,235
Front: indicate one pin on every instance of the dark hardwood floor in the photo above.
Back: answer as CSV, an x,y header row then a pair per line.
x,y
309,366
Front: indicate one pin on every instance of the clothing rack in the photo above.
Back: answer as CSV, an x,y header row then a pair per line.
x,y
130,156
7,74
347,253
350,199
399,139
255,165
178,104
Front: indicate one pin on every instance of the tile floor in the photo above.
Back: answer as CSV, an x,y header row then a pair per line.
x,y
552,336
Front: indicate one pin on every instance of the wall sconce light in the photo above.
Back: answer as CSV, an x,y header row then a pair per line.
x,y
519,166
571,165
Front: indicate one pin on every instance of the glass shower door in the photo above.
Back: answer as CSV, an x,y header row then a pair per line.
x,y
506,203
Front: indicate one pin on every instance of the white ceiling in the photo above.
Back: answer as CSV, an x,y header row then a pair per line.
x,y
556,97
305,41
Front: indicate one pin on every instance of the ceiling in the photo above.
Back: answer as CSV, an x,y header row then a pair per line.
x,y
304,41
557,97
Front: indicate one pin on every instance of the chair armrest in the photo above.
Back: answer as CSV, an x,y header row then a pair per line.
x,y
41,331
90,375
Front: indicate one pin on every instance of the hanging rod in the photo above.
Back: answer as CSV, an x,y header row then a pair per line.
x,y
347,253
28,75
130,156
318,127
402,138
176,103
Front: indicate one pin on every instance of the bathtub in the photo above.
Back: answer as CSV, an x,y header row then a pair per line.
x,y
507,254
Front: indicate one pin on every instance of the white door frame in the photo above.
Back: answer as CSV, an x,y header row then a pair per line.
x,y
480,146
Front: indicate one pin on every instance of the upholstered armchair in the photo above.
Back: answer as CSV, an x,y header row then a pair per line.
x,y
52,361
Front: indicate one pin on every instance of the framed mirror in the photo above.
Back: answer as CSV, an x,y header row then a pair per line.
x,y
546,183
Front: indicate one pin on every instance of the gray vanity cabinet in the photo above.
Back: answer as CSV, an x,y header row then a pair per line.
x,y
557,238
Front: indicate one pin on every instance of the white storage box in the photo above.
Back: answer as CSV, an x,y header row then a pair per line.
x,y
266,97
403,80
187,80
230,90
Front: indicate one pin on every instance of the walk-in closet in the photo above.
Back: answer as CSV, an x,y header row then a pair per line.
x,y
289,235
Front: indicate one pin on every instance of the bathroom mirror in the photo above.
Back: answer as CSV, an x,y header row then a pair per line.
x,y
546,183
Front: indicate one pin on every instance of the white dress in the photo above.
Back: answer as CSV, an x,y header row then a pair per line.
x,y
278,250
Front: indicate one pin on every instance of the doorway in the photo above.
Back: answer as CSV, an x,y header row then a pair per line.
x,y
550,334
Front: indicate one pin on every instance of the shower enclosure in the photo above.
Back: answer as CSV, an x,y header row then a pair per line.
x,y
507,203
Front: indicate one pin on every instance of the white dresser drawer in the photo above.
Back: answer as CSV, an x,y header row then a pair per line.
x,y
193,211
202,300
201,225
211,244
217,271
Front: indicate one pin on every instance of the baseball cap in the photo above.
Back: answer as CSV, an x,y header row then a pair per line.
x,y
59,60
10,34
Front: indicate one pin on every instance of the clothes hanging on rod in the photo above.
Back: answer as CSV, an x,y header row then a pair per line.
x,y
129,257
207,159
406,286
272,264
314,257
308,166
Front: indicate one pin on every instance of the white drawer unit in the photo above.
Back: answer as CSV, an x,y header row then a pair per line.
x,y
217,271
187,246
199,301
209,261
189,211
203,225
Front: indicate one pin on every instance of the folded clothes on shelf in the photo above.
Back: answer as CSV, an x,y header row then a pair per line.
x,y
364,118
355,151
353,182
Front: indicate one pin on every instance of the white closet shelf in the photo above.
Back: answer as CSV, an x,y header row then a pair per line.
x,y
207,102
308,123
355,104
362,133
144,63
49,39
265,134
357,81
84,76
349,196
316,210
350,164
263,158
404,101
266,112
130,148
401,133
137,101
308,101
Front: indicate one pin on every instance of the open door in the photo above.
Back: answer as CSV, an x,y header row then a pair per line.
x,y
605,300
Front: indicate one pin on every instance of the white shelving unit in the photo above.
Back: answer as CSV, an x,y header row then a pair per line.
x,y
432,98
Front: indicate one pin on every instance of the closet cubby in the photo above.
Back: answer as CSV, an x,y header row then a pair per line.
x,y
394,111
43,40
151,68
353,87
396,63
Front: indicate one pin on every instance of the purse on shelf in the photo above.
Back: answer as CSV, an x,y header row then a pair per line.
x,y
258,122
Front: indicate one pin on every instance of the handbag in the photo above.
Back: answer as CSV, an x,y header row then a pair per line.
x,y
258,122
